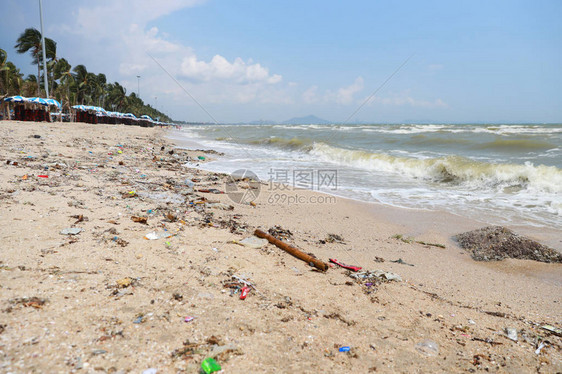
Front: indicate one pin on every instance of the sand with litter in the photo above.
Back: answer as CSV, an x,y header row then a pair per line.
x,y
94,319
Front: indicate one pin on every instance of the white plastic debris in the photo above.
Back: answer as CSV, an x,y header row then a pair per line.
x,y
71,231
428,348
253,242
540,347
158,235
511,333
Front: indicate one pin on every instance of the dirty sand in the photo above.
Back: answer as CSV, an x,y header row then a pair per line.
x,y
109,300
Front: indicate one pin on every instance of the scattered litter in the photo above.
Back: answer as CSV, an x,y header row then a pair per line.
x,y
121,242
150,371
412,240
35,302
280,233
188,319
125,282
220,206
511,333
139,219
43,176
202,158
539,348
253,242
378,259
158,235
428,348
210,365
401,262
210,190
79,218
129,194
244,292
237,285
344,349
349,267
376,274
487,340
555,330
71,231
332,238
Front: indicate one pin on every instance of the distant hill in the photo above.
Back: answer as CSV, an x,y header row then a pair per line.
x,y
308,120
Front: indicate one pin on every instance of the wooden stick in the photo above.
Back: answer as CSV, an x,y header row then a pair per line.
x,y
292,250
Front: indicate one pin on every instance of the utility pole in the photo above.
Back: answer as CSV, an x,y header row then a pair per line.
x,y
44,54
138,86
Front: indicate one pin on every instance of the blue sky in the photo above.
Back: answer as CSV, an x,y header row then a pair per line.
x,y
473,61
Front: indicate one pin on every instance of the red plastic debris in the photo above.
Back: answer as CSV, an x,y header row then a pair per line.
x,y
244,292
349,267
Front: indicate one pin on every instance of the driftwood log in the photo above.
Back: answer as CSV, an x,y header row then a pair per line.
x,y
293,251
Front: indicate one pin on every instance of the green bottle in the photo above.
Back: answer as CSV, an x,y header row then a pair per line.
x,y
209,365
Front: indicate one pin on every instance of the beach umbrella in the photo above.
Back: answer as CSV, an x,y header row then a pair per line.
x,y
97,109
145,116
37,100
129,115
53,102
16,99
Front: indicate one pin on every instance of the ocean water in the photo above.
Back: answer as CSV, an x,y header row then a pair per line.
x,y
501,174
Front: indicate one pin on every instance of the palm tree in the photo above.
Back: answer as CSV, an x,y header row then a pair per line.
x,y
14,79
81,80
63,73
116,97
4,70
30,40
29,85
100,89
51,53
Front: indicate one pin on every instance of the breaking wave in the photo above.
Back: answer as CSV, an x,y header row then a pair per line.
x,y
449,169
292,144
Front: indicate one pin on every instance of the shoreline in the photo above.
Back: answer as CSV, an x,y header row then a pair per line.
x,y
426,218
110,300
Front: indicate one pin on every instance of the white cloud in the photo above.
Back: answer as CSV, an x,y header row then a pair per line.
x,y
345,94
310,96
115,37
219,68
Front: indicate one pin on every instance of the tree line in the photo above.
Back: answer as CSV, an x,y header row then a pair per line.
x,y
69,85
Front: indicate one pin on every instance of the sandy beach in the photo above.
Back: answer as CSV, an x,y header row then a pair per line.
x,y
107,298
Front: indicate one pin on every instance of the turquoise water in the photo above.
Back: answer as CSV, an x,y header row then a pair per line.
x,y
506,174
